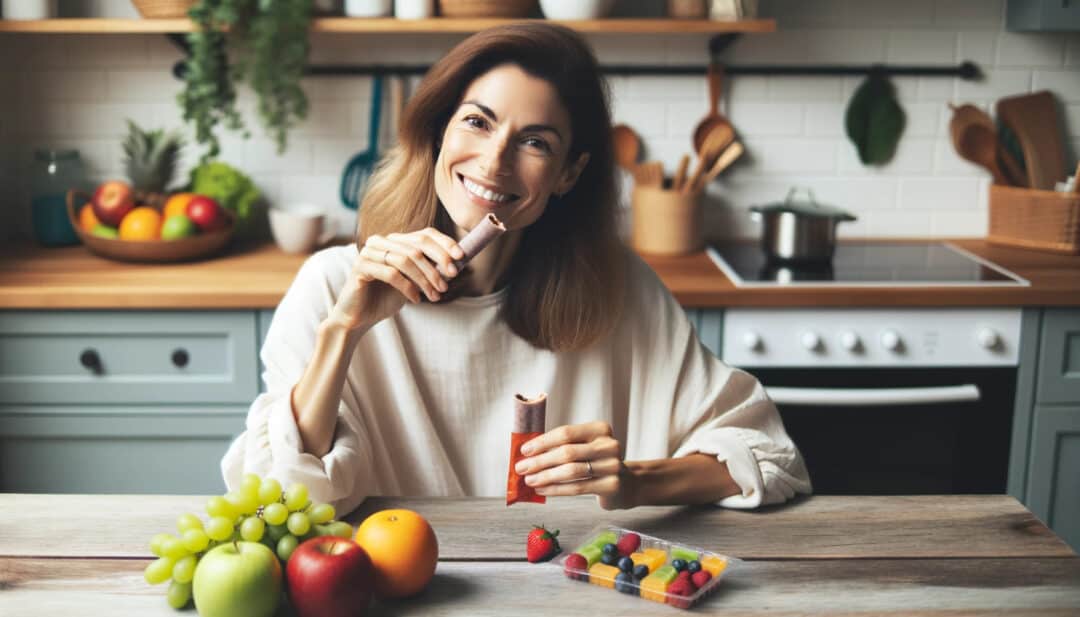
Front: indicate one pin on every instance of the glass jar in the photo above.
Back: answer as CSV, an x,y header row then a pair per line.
x,y
53,174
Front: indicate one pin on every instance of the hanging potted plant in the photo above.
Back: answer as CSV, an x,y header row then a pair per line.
x,y
261,43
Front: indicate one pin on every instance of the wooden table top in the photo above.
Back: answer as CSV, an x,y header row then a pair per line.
x,y
257,276
922,555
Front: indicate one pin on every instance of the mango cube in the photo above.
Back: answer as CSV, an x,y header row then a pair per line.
x,y
655,588
659,552
603,575
652,560
713,565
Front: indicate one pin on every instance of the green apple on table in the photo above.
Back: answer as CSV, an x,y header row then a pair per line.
x,y
178,226
239,579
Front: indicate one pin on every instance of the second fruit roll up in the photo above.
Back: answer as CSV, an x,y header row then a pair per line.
x,y
529,420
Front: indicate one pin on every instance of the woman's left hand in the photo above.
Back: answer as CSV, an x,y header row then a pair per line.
x,y
561,459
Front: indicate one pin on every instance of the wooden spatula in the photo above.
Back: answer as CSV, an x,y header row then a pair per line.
x,y
1033,119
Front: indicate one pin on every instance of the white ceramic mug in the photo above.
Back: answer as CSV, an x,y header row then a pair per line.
x,y
369,8
299,228
414,9
29,9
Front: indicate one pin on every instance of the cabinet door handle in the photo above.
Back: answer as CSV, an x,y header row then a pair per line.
x,y
180,357
90,359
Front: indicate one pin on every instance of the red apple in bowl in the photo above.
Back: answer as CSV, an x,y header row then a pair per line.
x,y
328,576
206,213
112,201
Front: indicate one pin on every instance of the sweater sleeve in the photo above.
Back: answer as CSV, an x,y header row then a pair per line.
x,y
270,445
715,409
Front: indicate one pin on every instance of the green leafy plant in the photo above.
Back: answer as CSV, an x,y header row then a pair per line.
x,y
263,43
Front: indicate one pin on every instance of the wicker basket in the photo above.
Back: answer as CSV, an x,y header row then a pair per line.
x,y
1030,218
163,9
487,8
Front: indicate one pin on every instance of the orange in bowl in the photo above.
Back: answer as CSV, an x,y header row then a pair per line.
x,y
176,204
403,548
87,219
142,223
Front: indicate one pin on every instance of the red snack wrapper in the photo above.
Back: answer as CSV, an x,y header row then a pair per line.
x,y
528,423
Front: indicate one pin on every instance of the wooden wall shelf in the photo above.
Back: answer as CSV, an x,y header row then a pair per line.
x,y
397,26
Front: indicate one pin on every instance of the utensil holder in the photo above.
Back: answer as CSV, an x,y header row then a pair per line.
x,y
1035,219
666,222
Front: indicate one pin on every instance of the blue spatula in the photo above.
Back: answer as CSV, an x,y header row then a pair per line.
x,y
360,166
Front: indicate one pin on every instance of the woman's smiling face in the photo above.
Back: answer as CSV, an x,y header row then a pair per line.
x,y
505,150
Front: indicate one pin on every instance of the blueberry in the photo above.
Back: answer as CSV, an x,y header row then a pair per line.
x,y
641,571
678,564
609,559
624,583
610,549
625,564
694,566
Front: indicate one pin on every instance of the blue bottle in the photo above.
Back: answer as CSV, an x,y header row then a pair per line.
x,y
54,173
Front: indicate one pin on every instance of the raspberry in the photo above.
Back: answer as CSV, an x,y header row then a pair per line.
x,y
573,562
679,593
700,578
628,544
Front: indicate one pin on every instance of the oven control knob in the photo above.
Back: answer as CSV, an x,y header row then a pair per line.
x,y
890,340
988,338
811,341
850,341
751,341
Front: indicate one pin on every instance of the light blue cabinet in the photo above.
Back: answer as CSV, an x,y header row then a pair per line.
x,y
1054,491
709,325
1043,16
122,401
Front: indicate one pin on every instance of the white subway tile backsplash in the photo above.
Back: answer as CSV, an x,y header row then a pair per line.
x,y
825,119
799,89
768,119
998,83
938,193
977,46
1065,84
927,46
985,14
958,223
76,90
1030,49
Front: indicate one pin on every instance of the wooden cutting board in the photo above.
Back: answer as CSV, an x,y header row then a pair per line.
x,y
1033,118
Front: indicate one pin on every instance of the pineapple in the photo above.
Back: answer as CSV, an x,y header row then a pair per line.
x,y
150,161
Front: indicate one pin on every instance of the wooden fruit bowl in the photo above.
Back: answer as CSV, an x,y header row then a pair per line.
x,y
199,246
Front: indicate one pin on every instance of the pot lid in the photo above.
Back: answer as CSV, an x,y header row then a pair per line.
x,y
808,207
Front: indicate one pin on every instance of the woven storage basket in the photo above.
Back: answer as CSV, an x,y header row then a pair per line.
x,y
163,9
487,8
1030,218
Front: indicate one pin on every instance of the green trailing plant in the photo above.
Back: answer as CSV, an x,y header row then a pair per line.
x,y
261,43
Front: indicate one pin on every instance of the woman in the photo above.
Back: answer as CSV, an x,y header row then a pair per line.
x,y
385,379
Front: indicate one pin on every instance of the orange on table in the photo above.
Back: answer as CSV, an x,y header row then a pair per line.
x,y
87,220
402,547
142,223
176,204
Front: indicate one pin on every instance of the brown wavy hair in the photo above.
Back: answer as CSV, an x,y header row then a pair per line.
x,y
566,282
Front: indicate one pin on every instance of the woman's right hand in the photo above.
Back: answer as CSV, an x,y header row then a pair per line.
x,y
394,269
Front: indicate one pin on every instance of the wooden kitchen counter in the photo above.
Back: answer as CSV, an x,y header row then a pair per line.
x,y
257,276
916,555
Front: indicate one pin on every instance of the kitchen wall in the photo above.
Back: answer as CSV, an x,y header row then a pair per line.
x,y
76,90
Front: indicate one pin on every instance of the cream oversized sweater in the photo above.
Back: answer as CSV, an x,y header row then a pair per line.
x,y
427,404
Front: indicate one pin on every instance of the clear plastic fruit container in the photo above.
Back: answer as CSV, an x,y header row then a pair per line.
x,y
657,554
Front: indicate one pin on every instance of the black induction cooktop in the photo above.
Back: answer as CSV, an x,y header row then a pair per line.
x,y
869,263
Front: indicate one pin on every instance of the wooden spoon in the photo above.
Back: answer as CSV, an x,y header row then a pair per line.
x,y
651,173
1076,179
714,118
627,146
680,173
975,138
724,161
715,142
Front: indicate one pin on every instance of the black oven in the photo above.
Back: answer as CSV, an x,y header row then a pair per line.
x,y
898,430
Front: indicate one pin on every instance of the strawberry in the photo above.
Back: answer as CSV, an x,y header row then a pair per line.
x,y
541,544
700,578
628,544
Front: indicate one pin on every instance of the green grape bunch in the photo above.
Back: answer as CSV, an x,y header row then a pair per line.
x,y
260,511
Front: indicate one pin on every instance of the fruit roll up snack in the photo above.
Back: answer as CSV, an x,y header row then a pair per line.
x,y
528,423
489,228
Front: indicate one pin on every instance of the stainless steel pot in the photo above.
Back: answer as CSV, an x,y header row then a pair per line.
x,y
799,231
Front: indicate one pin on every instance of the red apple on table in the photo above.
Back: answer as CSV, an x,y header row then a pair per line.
x,y
329,576
206,213
112,201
